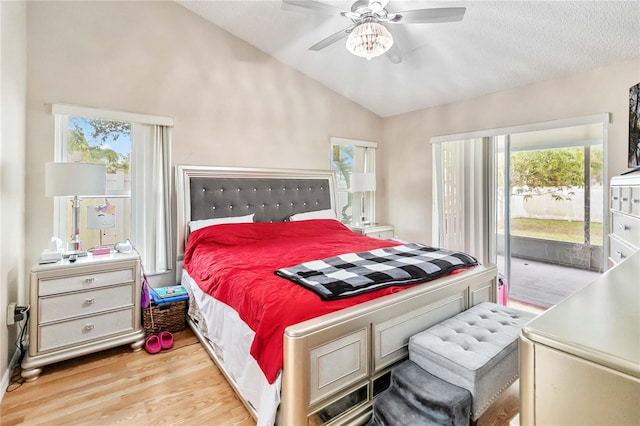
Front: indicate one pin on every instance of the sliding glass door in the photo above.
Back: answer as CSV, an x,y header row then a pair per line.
x,y
550,226
530,200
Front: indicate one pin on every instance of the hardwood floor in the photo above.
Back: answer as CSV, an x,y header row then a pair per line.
x,y
176,386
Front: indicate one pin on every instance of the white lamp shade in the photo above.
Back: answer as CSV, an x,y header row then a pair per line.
x,y
363,182
71,179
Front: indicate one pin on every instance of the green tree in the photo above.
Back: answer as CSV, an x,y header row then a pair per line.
x,y
78,142
109,129
103,131
551,171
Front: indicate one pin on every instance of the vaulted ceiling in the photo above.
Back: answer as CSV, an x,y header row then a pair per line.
x,y
498,45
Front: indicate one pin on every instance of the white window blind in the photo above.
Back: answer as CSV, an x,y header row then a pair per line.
x,y
464,195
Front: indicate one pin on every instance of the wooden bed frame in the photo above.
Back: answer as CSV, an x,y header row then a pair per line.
x,y
368,339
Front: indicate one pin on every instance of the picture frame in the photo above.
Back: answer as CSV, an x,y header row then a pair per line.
x,y
634,127
101,217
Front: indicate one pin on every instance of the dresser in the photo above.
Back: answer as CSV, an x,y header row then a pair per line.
x,y
82,307
580,360
624,238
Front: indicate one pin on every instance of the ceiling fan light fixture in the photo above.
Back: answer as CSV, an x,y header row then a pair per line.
x,y
369,39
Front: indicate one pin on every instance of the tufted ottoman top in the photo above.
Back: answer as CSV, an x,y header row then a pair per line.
x,y
473,341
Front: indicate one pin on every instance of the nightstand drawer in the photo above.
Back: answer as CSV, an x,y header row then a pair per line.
x,y
626,228
84,282
71,305
385,235
74,332
384,232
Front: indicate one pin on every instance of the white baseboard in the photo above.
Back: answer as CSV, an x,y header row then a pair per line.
x,y
7,374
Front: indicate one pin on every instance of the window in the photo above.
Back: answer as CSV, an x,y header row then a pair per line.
x,y
350,156
105,142
135,150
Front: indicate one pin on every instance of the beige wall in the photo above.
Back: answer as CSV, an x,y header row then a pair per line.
x,y
234,105
13,88
231,103
405,152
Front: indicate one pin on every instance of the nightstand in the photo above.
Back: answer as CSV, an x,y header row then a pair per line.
x,y
376,230
82,307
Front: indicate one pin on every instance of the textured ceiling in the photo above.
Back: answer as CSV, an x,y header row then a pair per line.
x,y
497,46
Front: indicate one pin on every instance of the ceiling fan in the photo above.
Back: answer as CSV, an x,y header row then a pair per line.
x,y
367,36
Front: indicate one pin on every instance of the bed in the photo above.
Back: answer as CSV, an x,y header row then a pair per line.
x,y
335,364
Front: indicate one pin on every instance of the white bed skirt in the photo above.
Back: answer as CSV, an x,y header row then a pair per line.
x,y
232,338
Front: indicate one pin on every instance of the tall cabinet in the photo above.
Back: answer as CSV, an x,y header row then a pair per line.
x,y
624,238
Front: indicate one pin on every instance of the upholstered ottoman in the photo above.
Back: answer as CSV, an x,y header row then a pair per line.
x,y
476,350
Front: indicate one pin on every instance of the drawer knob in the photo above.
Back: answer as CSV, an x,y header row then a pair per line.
x,y
623,227
625,199
88,327
635,200
90,280
614,198
90,301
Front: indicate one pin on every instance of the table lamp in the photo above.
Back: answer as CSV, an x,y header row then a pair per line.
x,y
363,182
75,180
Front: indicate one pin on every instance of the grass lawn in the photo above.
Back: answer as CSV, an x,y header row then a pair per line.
x,y
558,230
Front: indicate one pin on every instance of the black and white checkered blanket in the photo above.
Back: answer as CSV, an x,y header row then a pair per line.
x,y
351,274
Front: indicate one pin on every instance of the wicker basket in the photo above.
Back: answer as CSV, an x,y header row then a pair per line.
x,y
164,317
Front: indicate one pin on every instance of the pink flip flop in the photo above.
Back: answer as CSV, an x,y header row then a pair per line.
x,y
152,344
166,339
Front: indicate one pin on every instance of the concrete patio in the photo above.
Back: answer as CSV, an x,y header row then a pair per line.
x,y
544,284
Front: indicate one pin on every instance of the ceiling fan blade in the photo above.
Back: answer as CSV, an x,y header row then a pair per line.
x,y
332,39
393,54
422,16
311,6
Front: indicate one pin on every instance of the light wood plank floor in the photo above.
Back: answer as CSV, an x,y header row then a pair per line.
x,y
176,386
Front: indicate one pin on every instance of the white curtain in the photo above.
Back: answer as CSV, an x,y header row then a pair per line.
x,y
150,195
464,197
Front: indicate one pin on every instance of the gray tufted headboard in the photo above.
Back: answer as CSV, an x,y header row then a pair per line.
x,y
271,194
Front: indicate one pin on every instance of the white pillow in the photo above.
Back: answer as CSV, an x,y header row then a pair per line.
x,y
318,214
197,224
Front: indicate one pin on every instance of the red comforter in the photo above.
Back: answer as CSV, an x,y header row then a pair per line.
x,y
235,263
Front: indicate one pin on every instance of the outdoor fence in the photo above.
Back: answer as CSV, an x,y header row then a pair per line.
x,y
571,209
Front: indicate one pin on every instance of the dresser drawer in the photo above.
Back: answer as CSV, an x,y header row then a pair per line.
x,y
619,250
86,281
625,199
615,198
55,308
634,209
80,330
626,228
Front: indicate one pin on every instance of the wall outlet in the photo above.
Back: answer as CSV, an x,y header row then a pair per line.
x,y
11,311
